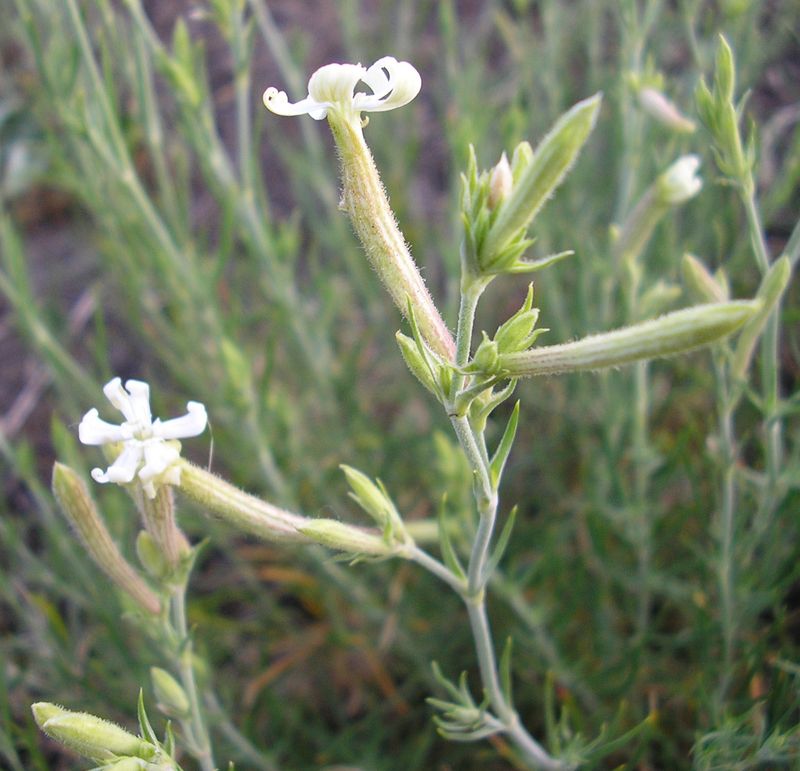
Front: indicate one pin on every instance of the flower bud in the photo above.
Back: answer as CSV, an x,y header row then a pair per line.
x,y
655,104
373,499
486,358
131,764
500,183
90,736
772,287
520,160
676,332
415,362
517,333
151,556
542,175
172,699
80,510
702,285
346,538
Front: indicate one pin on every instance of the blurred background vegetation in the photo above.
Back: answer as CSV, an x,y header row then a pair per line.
x,y
157,223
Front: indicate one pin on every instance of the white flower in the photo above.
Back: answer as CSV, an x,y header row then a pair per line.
x,y
147,450
332,88
680,182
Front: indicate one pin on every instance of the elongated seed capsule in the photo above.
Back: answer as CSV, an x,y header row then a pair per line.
x,y
673,333
80,510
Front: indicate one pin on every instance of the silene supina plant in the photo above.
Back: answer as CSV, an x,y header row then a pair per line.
x,y
470,380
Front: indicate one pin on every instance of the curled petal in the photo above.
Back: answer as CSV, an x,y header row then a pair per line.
x,y
92,430
277,102
123,469
139,401
119,397
393,83
191,424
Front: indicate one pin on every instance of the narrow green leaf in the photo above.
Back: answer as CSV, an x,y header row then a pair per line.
x,y
502,543
504,448
449,554
144,723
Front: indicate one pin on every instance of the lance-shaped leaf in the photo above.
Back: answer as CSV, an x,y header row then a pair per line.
x,y
502,544
504,448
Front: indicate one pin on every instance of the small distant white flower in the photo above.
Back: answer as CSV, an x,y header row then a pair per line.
x,y
147,450
332,89
680,182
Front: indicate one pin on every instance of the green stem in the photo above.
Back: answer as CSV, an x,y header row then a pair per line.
x,y
435,567
471,291
772,427
536,755
195,725
644,528
727,528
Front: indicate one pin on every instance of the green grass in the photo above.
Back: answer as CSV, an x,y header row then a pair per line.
x,y
205,236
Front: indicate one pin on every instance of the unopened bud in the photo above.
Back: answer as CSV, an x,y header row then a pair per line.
x,y
373,499
523,155
150,556
657,299
702,285
132,764
346,538
500,182
655,104
88,735
415,362
170,696
486,359
543,174
769,293
80,510
517,333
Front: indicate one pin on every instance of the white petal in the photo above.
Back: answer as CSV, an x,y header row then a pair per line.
x,y
119,397
123,469
140,401
279,103
377,77
191,424
158,457
92,430
680,181
334,84
100,476
396,89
